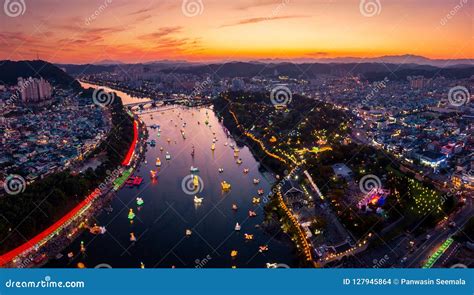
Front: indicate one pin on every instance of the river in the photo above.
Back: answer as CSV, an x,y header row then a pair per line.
x,y
160,224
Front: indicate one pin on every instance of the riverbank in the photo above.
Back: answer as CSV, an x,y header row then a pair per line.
x,y
45,245
139,95
168,211
275,206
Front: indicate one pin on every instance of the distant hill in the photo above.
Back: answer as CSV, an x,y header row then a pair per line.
x,y
391,59
312,70
305,70
11,70
108,62
87,69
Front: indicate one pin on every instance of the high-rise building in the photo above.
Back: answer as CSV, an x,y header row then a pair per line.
x,y
34,90
418,82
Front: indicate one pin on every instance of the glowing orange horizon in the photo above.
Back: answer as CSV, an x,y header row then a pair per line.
x,y
142,31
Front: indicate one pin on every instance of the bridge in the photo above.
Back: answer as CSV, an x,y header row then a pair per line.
x,y
158,109
142,104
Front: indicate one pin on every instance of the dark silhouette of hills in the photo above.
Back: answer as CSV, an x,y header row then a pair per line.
x,y
312,70
86,69
392,59
11,70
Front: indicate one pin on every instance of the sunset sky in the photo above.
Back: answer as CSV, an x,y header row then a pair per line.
x,y
146,30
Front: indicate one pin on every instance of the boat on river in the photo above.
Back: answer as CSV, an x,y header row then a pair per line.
x,y
97,230
195,181
237,227
263,248
225,185
131,214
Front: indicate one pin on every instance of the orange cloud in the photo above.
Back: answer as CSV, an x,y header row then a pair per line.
x,y
262,19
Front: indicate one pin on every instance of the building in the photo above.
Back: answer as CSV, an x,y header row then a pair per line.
x,y
34,90
418,82
433,159
238,84
464,179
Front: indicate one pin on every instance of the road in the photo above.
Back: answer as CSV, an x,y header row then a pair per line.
x,y
438,236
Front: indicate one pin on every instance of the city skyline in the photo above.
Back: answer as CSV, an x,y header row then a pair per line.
x,y
205,31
